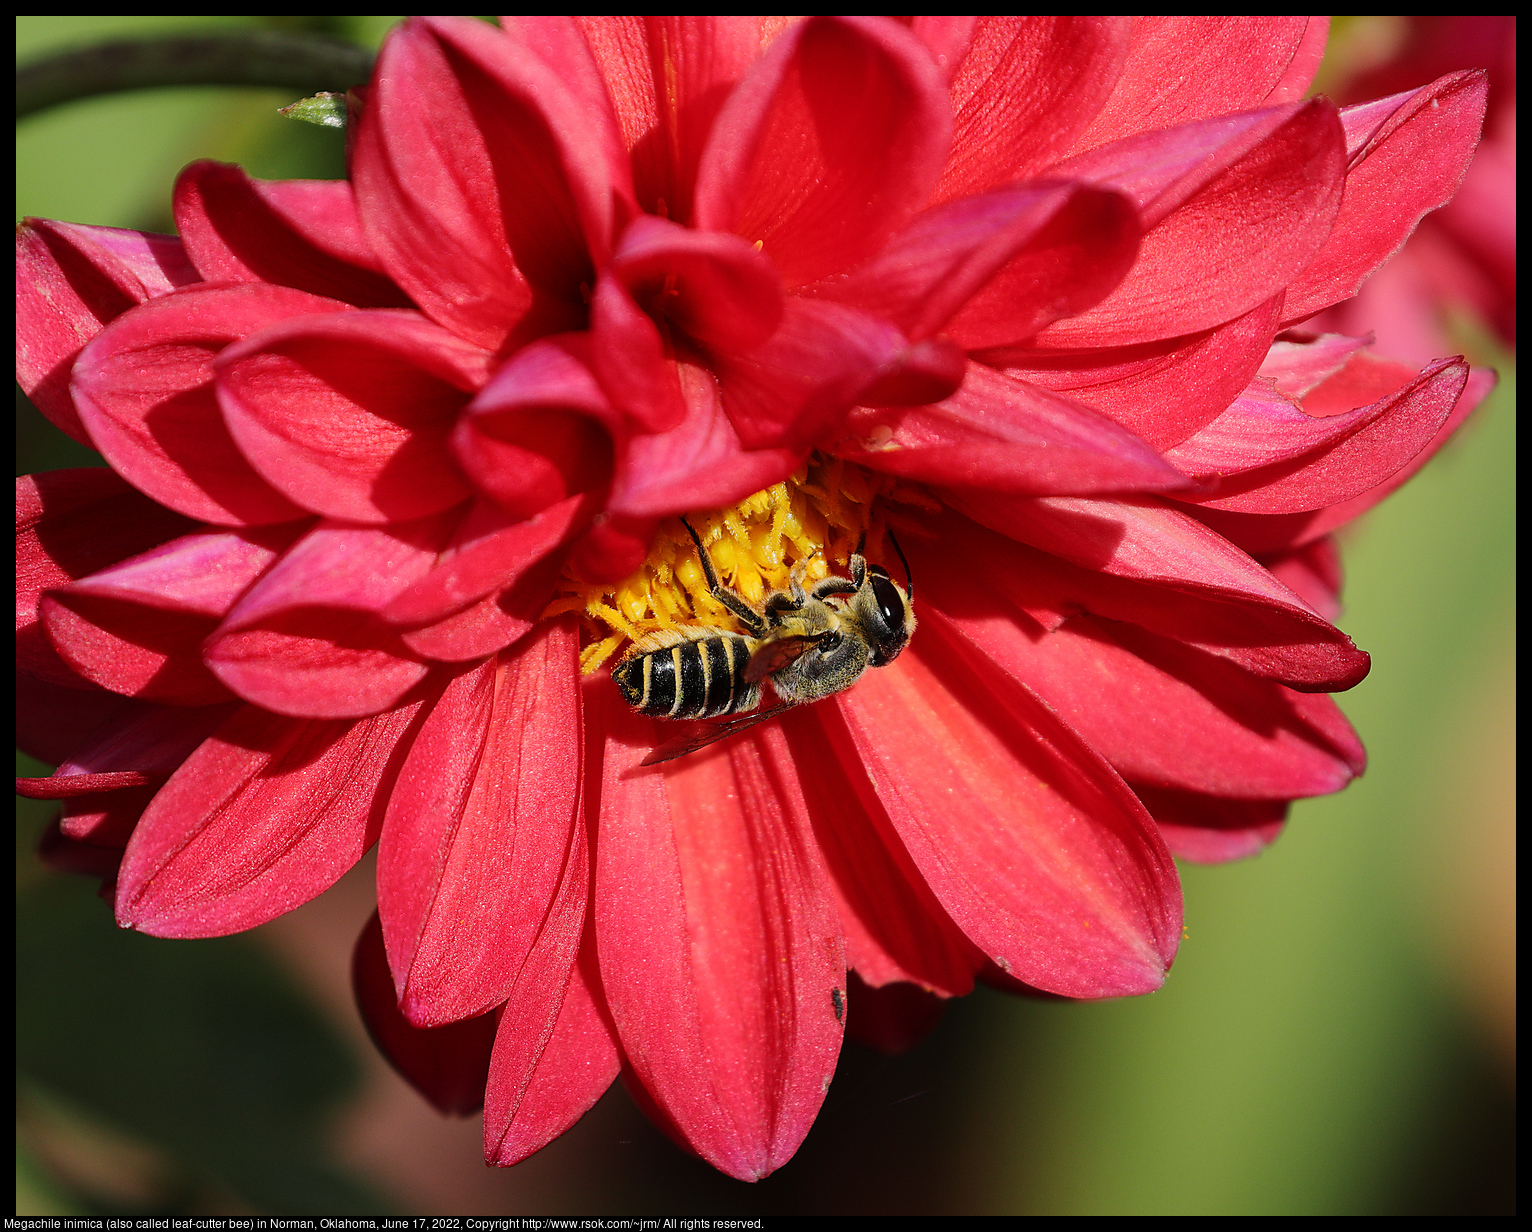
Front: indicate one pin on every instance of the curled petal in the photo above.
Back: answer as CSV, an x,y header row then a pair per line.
x,y
542,430
491,551
1197,722
265,815
1267,456
449,1064
137,628
484,837
832,141
1160,391
1144,563
499,198
350,415
70,281
144,390
628,358
69,524
995,268
1034,846
1268,534
701,463
1002,434
1406,155
1247,200
308,639
718,940
1297,363
1214,829
795,389
717,288
295,233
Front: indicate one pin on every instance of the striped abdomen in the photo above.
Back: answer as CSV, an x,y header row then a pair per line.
x,y
695,679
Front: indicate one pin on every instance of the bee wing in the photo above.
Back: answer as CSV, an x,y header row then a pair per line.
x,y
775,651
683,745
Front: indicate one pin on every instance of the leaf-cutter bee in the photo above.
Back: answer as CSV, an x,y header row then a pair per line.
x,y
809,643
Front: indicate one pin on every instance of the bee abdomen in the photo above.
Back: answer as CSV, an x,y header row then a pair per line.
x,y
691,680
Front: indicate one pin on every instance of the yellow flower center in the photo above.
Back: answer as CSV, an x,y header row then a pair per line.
x,y
819,514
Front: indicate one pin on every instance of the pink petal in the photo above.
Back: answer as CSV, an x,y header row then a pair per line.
x,y
483,832
713,286
541,430
67,855
1196,722
1313,572
70,281
1179,69
1246,200
1023,93
296,233
892,1018
1160,391
536,1094
1297,366
448,1065
794,390
144,390
997,433
700,464
1035,847
995,268
947,38
495,202
307,639
1147,564
490,552
1266,534
264,816
718,939
69,524
137,628
628,358
1266,456
152,746
496,621
667,77
350,415
53,721
1212,830
832,141
895,929
1406,156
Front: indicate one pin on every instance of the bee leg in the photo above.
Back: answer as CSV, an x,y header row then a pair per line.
x,y
793,599
748,616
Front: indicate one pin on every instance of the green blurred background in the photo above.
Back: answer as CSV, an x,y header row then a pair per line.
x,y
1337,1036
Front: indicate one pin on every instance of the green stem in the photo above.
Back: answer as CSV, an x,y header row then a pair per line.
x,y
301,63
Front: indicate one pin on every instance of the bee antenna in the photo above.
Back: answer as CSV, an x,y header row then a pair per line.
x,y
909,582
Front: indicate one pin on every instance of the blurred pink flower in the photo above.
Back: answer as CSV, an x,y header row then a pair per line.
x,y
1025,285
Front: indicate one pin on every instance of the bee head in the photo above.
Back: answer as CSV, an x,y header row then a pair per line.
x,y
886,616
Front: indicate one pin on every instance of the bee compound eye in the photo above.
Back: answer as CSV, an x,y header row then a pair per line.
x,y
890,602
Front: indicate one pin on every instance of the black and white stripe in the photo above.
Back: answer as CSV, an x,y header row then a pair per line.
x,y
695,679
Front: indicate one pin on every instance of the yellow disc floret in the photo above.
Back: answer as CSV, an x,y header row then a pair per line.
x,y
819,514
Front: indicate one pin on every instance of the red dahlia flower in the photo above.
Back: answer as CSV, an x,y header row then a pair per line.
x,y
397,464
